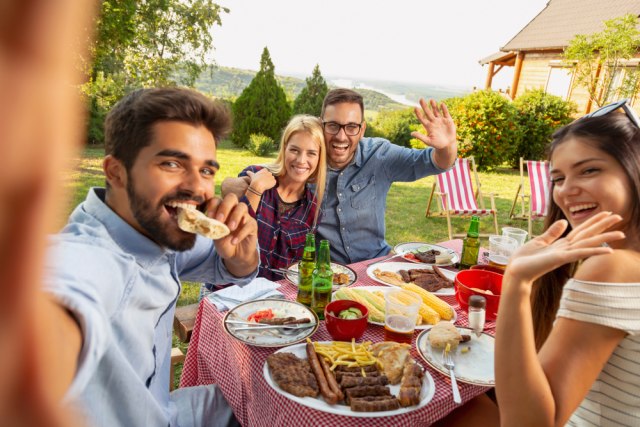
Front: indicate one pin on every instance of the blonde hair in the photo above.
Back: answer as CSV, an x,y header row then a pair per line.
x,y
304,123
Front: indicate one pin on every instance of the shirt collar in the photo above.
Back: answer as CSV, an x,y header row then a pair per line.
x,y
146,251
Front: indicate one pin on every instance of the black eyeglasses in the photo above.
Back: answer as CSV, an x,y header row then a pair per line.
x,y
350,129
624,104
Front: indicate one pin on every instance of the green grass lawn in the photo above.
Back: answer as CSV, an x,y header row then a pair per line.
x,y
405,214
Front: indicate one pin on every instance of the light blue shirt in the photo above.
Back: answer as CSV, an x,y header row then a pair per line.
x,y
122,289
355,201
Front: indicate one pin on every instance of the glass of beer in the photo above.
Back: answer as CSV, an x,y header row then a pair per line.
x,y
401,314
500,250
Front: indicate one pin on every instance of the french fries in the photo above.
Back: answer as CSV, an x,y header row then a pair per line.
x,y
347,354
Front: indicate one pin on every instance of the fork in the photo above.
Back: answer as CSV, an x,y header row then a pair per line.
x,y
448,362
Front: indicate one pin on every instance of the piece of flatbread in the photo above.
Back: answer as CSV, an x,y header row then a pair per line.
x,y
389,277
194,221
444,333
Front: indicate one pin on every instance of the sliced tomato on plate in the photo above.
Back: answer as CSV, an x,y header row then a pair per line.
x,y
261,314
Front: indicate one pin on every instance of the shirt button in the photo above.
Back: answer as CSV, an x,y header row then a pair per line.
x,y
347,247
339,194
342,228
339,210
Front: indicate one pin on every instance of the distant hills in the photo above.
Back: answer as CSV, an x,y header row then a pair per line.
x,y
227,82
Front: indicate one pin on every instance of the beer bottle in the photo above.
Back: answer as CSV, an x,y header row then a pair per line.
x,y
471,245
305,270
322,280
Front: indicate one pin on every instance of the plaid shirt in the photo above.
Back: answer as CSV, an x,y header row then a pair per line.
x,y
281,236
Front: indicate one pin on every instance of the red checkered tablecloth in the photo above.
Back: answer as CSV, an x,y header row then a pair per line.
x,y
237,368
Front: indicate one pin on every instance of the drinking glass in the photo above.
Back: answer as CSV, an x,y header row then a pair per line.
x,y
401,314
515,233
500,250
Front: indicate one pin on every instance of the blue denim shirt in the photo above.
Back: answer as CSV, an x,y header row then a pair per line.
x,y
355,200
122,289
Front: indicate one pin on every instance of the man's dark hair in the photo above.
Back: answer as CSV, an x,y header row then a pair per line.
x,y
128,126
339,96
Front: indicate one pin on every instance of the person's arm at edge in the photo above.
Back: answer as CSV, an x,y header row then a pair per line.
x,y
61,336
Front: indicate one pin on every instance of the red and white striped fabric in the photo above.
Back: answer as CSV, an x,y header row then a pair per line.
x,y
539,182
458,188
214,356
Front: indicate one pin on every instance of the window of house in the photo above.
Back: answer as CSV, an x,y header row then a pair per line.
x,y
618,78
559,81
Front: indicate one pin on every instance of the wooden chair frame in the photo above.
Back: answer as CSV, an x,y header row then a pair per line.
x,y
524,199
478,199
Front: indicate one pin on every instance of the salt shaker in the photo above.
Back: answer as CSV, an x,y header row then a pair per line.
x,y
477,304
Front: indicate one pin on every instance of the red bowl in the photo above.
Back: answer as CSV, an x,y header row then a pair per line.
x,y
479,280
345,329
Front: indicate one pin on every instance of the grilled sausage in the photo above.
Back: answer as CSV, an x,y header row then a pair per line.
x,y
331,379
329,396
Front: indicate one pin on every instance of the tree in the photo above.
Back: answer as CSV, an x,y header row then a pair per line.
x,y
309,101
599,59
262,106
145,43
396,126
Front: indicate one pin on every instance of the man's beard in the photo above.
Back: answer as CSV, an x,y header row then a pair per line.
x,y
149,218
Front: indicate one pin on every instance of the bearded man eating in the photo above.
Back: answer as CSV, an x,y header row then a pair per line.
x,y
114,271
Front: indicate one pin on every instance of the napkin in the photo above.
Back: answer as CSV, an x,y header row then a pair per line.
x,y
230,297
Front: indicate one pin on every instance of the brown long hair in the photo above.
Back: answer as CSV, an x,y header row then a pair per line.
x,y
617,136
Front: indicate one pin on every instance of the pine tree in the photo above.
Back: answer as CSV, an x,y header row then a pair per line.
x,y
262,106
309,101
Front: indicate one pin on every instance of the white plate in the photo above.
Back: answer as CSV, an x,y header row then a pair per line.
x,y
397,266
270,337
426,393
473,367
412,246
385,289
335,267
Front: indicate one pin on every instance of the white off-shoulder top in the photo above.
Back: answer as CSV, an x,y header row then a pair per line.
x,y
614,398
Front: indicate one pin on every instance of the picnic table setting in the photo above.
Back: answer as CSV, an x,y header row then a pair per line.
x,y
278,362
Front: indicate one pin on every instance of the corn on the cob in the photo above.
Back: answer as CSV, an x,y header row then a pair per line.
x,y
374,299
375,315
442,308
426,313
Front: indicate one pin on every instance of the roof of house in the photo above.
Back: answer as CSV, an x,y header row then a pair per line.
x,y
561,20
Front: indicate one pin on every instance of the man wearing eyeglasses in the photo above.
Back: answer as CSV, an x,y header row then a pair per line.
x,y
361,171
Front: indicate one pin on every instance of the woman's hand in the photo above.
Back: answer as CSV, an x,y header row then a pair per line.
x,y
549,251
262,180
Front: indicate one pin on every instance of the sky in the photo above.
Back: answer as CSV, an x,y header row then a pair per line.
x,y
413,41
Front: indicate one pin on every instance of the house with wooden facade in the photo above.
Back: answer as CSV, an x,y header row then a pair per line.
x,y
535,53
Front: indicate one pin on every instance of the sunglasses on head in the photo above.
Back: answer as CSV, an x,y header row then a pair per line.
x,y
624,104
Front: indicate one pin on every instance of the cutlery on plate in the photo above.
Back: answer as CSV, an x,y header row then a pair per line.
x,y
284,271
447,360
267,327
254,324
391,257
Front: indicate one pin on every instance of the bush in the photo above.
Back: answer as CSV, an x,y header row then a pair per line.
x,y
260,145
101,94
539,115
487,126
396,126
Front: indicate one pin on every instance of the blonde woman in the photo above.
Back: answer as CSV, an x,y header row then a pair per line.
x,y
280,197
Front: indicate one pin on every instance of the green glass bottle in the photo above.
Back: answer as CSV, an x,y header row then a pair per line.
x,y
322,280
471,245
305,271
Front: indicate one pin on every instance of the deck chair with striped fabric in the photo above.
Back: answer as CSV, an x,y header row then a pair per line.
x,y
538,196
454,190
